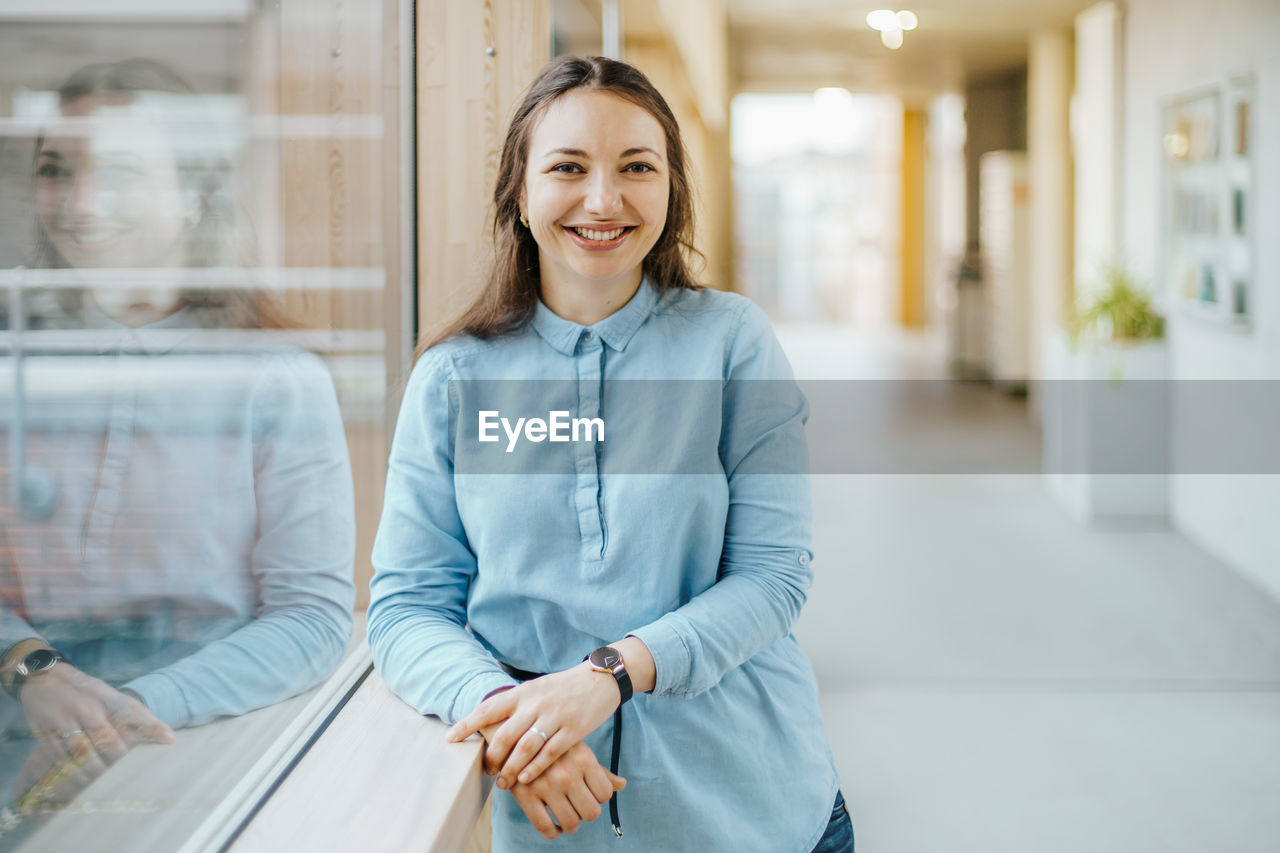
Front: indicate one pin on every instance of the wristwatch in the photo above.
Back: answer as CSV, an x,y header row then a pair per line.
x,y
34,663
608,659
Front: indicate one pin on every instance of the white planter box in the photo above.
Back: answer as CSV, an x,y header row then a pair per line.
x,y
1104,415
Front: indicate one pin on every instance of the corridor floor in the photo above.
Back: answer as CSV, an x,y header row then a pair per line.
x,y
997,676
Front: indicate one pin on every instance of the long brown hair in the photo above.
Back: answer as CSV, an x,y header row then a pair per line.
x,y
513,285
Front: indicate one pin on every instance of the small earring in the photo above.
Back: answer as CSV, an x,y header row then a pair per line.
x,y
524,222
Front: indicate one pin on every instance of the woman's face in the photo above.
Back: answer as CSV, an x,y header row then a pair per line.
x,y
108,195
595,192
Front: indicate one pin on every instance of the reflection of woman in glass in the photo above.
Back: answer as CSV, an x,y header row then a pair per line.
x,y
192,554
661,599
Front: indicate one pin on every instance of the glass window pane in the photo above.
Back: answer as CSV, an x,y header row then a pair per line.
x,y
201,257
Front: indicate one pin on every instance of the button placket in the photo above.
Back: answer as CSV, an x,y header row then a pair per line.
x,y
108,492
590,368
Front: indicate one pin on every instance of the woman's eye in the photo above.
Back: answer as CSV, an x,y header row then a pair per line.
x,y
52,171
639,168
567,168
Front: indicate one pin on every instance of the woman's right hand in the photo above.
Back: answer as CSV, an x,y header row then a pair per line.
x,y
573,788
82,725
78,716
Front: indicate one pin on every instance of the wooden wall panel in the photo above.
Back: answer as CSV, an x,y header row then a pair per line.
x,y
474,61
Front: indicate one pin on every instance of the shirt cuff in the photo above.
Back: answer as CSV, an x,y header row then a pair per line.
x,y
475,690
672,660
163,697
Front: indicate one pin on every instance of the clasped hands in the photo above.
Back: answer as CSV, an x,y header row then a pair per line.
x,y
82,725
533,741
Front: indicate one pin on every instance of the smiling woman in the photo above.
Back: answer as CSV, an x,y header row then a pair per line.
x,y
192,557
514,284
205,284
128,178
595,199
549,606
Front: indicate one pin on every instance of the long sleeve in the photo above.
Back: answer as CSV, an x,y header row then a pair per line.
x,y
764,571
424,565
301,560
14,628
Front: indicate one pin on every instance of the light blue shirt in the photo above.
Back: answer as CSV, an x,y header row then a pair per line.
x,y
478,561
200,545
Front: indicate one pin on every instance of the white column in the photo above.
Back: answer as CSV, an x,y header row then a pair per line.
x,y
1096,125
1049,76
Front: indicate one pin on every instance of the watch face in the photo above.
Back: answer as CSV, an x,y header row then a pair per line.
x,y
40,660
607,657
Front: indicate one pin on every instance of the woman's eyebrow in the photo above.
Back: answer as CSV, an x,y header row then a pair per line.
x,y
633,151
45,152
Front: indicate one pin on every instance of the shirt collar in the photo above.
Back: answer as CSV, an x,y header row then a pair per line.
x,y
616,330
156,338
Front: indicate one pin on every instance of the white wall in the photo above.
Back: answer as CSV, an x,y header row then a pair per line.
x,y
1173,47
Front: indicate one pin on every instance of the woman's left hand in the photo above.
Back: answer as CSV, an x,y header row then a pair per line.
x,y
565,706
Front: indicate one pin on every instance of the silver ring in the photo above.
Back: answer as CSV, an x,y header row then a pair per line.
x,y
70,734
540,733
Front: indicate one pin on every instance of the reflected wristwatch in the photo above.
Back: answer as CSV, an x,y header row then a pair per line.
x,y
35,662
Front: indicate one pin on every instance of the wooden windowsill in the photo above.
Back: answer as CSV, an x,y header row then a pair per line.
x,y
381,777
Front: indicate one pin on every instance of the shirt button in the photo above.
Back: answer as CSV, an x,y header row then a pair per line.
x,y
586,336
804,558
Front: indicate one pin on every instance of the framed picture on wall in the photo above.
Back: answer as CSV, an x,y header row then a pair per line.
x,y
1207,235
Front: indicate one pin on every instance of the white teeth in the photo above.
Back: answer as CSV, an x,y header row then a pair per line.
x,y
600,236
93,238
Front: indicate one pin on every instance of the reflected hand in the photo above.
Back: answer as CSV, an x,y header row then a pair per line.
x,y
564,706
573,788
82,725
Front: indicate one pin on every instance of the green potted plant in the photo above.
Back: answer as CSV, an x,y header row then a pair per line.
x,y
1121,313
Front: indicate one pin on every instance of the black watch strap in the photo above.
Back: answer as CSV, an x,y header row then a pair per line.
x,y
608,659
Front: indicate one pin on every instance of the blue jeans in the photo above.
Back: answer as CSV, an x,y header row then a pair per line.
x,y
839,835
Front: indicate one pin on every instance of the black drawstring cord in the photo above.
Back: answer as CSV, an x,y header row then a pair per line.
x,y
613,768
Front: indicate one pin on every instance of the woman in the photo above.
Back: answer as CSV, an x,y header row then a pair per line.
x,y
189,554
653,576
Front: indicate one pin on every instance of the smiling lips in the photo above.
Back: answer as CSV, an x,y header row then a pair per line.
x,y
93,238
596,239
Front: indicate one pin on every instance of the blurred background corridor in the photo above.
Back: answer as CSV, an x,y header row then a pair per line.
x,y
1046,614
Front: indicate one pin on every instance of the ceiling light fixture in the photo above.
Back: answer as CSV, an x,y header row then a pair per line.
x,y
891,25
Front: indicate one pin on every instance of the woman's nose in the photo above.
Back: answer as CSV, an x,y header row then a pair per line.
x,y
84,197
604,196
